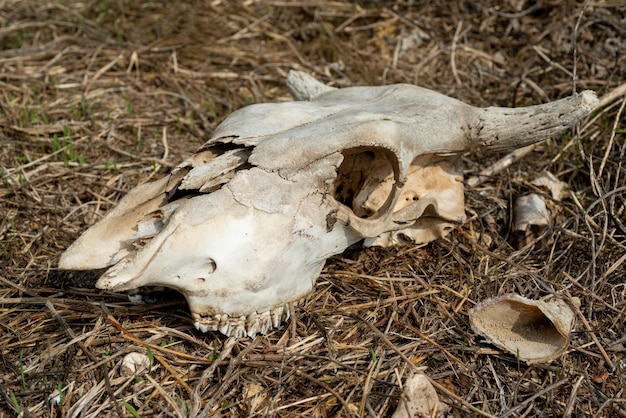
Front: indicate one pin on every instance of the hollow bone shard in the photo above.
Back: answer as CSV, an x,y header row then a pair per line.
x,y
243,237
533,331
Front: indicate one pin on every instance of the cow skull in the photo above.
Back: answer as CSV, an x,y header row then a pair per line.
x,y
245,225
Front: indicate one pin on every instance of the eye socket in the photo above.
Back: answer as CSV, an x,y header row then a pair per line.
x,y
365,180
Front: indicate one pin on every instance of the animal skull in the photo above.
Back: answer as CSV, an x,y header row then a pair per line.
x,y
245,225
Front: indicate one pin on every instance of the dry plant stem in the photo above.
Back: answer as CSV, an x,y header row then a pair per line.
x,y
173,372
453,53
442,307
368,383
609,147
21,289
175,407
532,398
459,400
612,268
385,339
231,374
517,266
431,341
338,396
591,268
129,335
503,405
551,62
575,43
572,397
105,374
605,196
611,96
590,330
500,165
227,349
620,411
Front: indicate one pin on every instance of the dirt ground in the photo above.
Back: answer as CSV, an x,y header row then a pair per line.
x,y
99,96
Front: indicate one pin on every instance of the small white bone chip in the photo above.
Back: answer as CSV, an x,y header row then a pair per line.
x,y
548,181
419,399
533,331
243,227
134,363
532,214
531,219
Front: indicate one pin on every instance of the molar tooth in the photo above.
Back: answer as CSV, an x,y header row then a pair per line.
x,y
238,326
225,329
201,327
277,316
206,323
265,322
252,324
225,326
252,329
239,331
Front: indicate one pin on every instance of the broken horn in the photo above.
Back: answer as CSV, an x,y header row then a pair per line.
x,y
501,128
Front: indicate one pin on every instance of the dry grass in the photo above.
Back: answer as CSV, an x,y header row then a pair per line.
x,y
96,97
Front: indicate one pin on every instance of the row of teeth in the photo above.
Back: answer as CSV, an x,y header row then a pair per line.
x,y
242,326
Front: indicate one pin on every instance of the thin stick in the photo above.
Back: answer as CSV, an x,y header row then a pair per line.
x,y
500,165
609,147
343,402
572,398
68,331
458,399
453,53
130,336
196,398
582,318
612,95
535,396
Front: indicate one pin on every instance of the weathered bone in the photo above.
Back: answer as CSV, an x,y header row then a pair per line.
x,y
245,225
534,331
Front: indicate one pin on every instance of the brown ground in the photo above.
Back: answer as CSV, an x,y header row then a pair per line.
x,y
88,92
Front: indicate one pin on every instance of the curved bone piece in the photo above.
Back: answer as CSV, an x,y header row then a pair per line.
x,y
419,399
534,331
134,363
244,226
533,214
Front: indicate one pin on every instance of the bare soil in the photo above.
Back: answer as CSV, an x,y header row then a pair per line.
x,y
99,96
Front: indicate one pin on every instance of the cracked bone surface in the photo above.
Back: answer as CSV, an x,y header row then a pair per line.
x,y
244,226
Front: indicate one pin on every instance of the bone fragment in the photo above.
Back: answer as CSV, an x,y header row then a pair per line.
x,y
419,399
534,331
134,363
548,181
532,214
532,218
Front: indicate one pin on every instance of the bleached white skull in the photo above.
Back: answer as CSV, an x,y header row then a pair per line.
x,y
245,225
